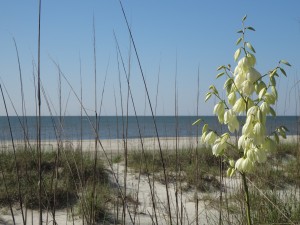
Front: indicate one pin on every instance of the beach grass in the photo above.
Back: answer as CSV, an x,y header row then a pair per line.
x,y
70,187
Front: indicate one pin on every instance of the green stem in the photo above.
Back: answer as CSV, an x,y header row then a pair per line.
x,y
247,199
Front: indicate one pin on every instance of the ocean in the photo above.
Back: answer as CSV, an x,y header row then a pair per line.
x,y
114,127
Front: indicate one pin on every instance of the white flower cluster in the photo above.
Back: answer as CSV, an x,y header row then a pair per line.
x,y
248,95
245,85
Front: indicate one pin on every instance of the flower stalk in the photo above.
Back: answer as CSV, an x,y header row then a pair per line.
x,y
249,94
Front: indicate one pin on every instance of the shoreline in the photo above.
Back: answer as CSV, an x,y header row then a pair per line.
x,y
115,145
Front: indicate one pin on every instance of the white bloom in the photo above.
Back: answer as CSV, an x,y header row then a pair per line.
x,y
247,87
244,64
270,99
259,133
252,111
251,59
239,79
241,141
210,138
253,75
239,106
247,165
203,137
265,108
234,125
238,164
258,87
219,109
231,98
248,126
258,129
261,155
251,155
218,147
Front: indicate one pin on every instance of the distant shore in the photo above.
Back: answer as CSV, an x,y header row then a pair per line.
x,y
116,145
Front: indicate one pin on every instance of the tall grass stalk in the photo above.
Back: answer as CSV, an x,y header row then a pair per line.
x,y
39,148
15,158
196,150
152,113
99,141
140,138
96,126
22,93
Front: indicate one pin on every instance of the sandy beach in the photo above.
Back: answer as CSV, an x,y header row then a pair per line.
x,y
137,185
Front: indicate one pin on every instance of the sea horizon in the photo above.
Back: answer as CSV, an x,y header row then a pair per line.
x,y
117,127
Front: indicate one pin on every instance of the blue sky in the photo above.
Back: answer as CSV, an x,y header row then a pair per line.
x,y
173,39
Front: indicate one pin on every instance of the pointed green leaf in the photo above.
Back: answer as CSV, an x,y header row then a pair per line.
x,y
285,62
220,74
272,111
197,122
281,132
237,54
250,47
284,128
227,83
250,28
213,88
276,138
240,31
262,93
204,128
244,18
282,71
239,41
274,92
220,67
273,73
273,81
208,95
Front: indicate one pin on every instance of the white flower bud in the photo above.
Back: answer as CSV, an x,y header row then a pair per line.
x,y
234,125
238,80
218,148
203,137
231,98
270,99
261,155
265,108
219,109
210,138
248,126
244,64
247,165
239,163
241,142
253,75
258,87
251,59
237,70
251,155
239,106
258,129
247,88
252,111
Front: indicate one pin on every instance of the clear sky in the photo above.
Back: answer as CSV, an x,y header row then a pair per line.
x,y
173,38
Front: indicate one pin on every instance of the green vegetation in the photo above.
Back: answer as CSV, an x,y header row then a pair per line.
x,y
67,180
273,186
181,167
